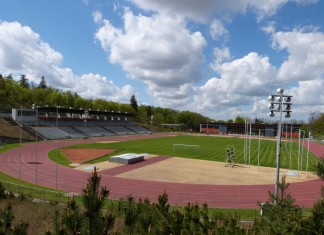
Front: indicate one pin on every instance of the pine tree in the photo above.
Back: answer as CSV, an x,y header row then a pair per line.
x,y
23,82
42,83
318,214
72,217
280,212
133,103
93,200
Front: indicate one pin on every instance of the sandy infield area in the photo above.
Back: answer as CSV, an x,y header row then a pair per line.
x,y
182,170
195,171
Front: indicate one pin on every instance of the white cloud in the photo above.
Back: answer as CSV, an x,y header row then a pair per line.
x,y
157,50
101,87
19,43
97,17
23,52
173,97
305,2
270,28
218,31
221,55
264,8
204,10
240,81
308,93
306,55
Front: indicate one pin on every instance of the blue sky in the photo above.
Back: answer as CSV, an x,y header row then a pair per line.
x,y
217,58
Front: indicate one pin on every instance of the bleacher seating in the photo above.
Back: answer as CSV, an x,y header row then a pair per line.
x,y
139,129
76,128
52,133
72,132
120,130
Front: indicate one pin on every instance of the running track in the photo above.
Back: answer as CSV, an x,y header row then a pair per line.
x,y
221,196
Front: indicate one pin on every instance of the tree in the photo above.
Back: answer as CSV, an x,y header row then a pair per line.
x,y
280,213
129,210
239,119
42,83
7,220
3,92
149,111
93,200
23,82
318,214
320,169
133,103
316,124
72,217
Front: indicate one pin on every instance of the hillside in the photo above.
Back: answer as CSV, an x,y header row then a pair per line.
x,y
11,129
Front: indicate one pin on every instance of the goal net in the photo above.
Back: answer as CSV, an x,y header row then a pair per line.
x,y
185,147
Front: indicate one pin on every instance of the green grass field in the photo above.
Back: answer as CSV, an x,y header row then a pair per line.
x,y
7,147
213,149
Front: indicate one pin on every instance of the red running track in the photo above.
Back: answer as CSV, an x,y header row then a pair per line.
x,y
70,180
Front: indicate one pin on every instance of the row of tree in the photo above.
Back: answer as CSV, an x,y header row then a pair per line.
x,y
23,93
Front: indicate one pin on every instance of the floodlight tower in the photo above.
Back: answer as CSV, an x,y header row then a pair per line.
x,y
276,105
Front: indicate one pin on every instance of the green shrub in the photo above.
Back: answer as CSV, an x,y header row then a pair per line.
x,y
2,192
320,169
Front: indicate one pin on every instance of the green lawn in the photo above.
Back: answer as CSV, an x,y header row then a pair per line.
x,y
213,149
57,156
7,147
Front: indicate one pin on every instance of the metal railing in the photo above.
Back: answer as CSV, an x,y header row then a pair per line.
x,y
36,193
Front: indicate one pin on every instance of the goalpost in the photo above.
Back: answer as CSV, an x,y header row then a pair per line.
x,y
185,147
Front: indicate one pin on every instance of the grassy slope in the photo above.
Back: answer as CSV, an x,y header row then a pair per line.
x,y
213,148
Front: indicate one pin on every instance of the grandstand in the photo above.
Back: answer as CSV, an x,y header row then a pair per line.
x,y
60,123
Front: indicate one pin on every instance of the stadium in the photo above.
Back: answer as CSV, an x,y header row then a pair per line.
x,y
189,167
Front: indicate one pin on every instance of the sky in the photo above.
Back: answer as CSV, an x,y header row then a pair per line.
x,y
221,59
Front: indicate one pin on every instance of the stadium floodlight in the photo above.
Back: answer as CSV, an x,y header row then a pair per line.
x,y
287,115
288,99
288,107
271,98
271,114
284,106
280,91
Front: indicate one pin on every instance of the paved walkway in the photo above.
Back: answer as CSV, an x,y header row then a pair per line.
x,y
222,196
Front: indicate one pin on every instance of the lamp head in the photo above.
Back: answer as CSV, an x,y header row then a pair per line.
x,y
288,107
271,98
287,115
271,114
288,99
280,91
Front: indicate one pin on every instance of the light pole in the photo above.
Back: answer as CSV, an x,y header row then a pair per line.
x,y
276,105
56,165
20,141
36,162
86,114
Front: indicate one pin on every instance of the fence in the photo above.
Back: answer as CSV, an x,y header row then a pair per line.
x,y
39,193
